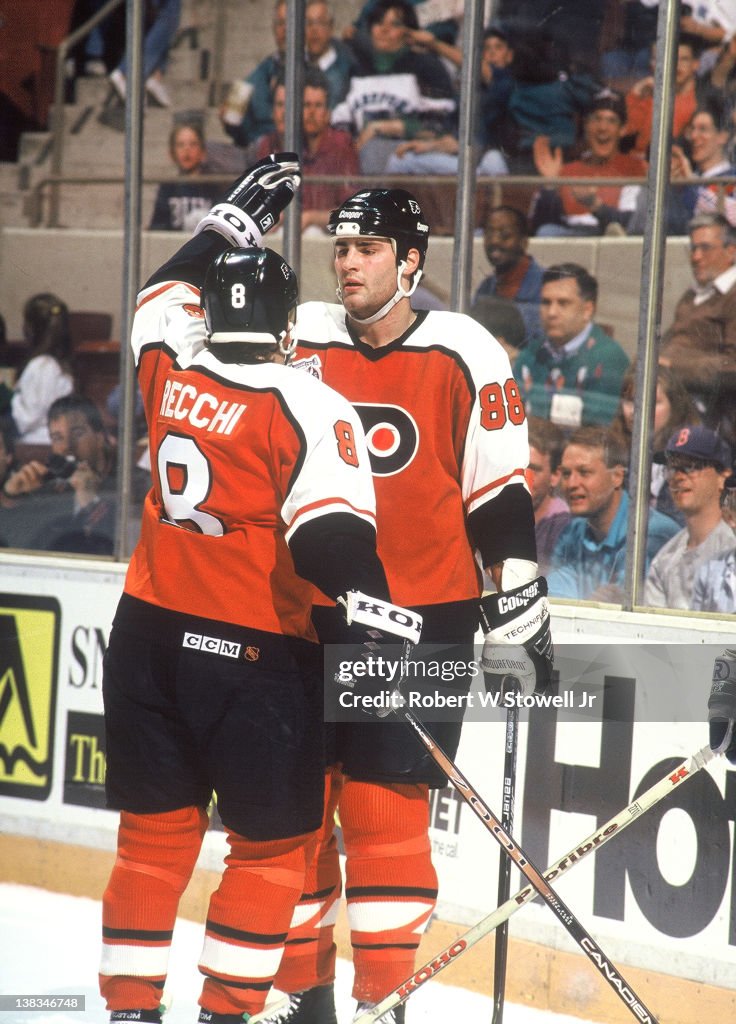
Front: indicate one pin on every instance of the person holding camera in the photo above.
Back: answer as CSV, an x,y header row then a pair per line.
x,y
68,503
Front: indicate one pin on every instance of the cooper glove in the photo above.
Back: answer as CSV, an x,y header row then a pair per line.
x,y
254,203
371,674
722,705
518,641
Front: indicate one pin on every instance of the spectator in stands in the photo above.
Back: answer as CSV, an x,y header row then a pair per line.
x,y
700,344
247,111
503,320
715,584
551,512
640,99
713,22
632,54
517,275
722,80
697,463
7,458
68,504
708,136
325,150
163,24
547,100
397,92
587,209
180,205
440,18
325,52
47,373
439,154
572,375
673,408
589,557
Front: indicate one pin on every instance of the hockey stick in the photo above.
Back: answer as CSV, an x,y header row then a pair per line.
x,y
500,953
593,842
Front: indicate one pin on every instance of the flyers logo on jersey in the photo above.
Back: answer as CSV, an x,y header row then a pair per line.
x,y
392,436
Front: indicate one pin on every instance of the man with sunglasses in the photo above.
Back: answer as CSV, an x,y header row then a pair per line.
x,y
697,462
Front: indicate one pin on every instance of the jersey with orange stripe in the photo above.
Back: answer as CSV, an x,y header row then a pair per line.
x,y
245,459
447,435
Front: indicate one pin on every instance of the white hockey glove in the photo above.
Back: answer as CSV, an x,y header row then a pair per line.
x,y
518,641
722,705
376,624
254,203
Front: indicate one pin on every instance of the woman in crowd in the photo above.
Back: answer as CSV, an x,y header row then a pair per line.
x,y
673,408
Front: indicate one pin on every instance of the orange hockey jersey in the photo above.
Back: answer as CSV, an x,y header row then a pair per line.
x,y
243,456
447,435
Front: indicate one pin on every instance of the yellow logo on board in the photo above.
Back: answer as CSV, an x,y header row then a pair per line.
x,y
29,655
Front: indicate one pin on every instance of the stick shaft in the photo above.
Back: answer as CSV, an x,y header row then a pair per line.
x,y
616,824
501,949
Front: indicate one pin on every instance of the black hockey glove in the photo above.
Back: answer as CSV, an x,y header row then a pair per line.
x,y
518,641
254,203
722,705
374,672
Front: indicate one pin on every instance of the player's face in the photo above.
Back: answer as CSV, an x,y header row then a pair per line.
x,y
709,256
563,311
366,273
504,243
317,29
588,484
540,476
603,131
316,112
187,151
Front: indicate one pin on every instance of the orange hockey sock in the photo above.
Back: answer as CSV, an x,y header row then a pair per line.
x,y
248,920
156,857
309,956
391,884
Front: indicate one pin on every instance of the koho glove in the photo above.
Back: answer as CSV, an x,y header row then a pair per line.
x,y
255,201
518,641
375,624
722,705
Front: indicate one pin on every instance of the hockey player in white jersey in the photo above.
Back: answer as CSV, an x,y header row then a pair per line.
x,y
446,430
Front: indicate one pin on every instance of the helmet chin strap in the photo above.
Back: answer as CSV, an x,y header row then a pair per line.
x,y
399,294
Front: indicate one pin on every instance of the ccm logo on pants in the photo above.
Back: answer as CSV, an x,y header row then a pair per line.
x,y
211,645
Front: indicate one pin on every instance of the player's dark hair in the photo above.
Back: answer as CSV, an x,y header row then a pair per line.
x,y
587,284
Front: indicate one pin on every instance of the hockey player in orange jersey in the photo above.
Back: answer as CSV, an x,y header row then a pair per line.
x,y
446,432
212,679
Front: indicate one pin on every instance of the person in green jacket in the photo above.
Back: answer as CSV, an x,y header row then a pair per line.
x,y
573,375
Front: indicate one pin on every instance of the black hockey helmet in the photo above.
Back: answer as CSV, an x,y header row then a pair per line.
x,y
249,296
387,213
